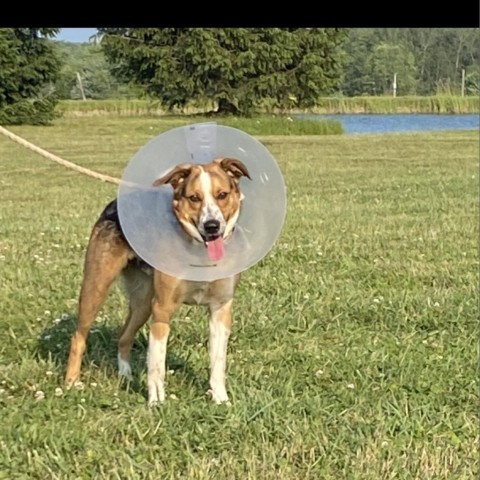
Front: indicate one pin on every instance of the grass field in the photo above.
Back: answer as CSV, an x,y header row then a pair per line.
x,y
354,351
259,125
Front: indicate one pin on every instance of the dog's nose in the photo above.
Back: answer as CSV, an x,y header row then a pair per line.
x,y
211,226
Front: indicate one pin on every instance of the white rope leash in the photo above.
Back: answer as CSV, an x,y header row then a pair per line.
x,y
61,161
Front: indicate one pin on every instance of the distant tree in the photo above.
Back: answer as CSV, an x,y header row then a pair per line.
x,y
439,55
386,60
372,62
454,49
472,80
357,78
28,70
237,68
89,62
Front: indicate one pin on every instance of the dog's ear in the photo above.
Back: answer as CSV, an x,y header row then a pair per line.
x,y
175,176
235,168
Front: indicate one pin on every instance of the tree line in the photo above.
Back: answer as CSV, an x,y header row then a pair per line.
x,y
427,61
239,69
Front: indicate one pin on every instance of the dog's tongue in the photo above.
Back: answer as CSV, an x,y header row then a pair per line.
x,y
215,249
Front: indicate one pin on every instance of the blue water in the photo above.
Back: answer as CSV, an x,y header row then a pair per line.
x,y
373,123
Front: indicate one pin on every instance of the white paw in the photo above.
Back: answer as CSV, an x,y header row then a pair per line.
x,y
156,392
124,369
219,395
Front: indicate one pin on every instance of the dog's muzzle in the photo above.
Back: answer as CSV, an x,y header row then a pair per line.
x,y
213,239
211,228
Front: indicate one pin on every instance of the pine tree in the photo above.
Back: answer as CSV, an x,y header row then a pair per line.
x,y
237,68
28,70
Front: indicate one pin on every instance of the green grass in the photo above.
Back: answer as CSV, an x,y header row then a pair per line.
x,y
258,125
354,348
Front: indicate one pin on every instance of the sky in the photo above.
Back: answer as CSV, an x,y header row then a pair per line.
x,y
75,35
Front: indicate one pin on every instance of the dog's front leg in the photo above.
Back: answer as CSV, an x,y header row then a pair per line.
x,y
220,324
164,304
157,354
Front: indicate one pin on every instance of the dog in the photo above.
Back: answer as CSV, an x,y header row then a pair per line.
x,y
206,202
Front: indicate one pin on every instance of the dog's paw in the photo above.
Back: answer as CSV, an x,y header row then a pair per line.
x,y
71,376
219,396
69,382
156,392
124,369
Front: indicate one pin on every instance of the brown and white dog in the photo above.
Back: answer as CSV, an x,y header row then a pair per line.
x,y
206,202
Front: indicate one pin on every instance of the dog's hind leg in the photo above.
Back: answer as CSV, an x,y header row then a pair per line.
x,y
139,287
107,255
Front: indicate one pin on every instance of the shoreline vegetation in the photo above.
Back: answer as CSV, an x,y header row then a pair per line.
x,y
273,121
437,104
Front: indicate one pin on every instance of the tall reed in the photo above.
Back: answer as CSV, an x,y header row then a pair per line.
x,y
453,104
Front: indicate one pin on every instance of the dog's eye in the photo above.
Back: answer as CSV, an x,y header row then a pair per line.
x,y
194,198
222,195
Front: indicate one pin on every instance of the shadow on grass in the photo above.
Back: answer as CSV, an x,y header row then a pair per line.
x,y
54,345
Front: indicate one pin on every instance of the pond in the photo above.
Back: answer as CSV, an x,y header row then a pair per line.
x,y
380,123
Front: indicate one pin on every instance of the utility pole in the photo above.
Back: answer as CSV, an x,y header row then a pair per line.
x,y
80,85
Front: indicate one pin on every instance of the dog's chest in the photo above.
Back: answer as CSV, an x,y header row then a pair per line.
x,y
206,293
197,293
